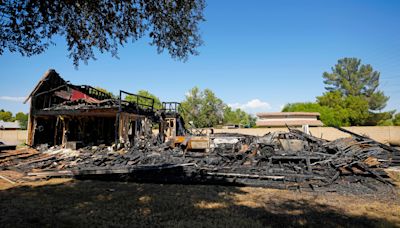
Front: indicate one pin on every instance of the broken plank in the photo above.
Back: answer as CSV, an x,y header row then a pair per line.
x,y
36,160
6,179
245,175
57,173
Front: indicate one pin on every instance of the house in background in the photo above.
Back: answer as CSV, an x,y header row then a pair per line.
x,y
292,119
9,125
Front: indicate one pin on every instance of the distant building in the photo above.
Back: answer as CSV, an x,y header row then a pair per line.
x,y
293,119
9,125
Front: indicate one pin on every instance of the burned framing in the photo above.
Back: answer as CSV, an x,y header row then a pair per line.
x,y
77,115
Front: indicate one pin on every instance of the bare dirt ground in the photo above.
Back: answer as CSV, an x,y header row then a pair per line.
x,y
73,203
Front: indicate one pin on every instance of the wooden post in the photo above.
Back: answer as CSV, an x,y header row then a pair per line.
x,y
31,127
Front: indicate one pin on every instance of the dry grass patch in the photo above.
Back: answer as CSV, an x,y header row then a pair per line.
x,y
66,203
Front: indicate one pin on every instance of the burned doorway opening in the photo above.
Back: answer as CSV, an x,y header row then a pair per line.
x,y
74,131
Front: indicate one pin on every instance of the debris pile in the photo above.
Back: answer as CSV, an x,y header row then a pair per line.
x,y
281,160
6,147
67,117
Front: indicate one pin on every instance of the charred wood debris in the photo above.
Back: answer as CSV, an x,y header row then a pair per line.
x,y
290,160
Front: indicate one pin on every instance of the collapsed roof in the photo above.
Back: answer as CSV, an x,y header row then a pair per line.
x,y
62,112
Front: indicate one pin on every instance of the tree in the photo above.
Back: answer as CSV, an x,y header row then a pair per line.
x,y
378,101
202,108
28,27
230,116
328,115
191,106
212,111
157,103
104,91
351,78
238,116
22,118
6,116
396,120
357,109
353,110
205,109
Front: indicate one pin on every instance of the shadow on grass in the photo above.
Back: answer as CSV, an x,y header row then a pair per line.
x,y
119,204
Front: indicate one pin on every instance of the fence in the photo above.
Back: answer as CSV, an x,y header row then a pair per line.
x,y
15,137
384,134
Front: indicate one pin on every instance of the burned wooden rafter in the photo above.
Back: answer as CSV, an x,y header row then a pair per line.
x,y
60,112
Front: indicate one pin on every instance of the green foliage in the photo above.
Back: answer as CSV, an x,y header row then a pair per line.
x,y
22,118
105,91
329,116
350,110
356,108
6,116
387,122
339,110
192,106
238,117
381,119
352,92
377,101
331,99
203,108
212,109
157,103
350,78
396,120
28,27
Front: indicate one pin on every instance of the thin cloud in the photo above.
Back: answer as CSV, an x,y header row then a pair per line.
x,y
252,106
14,99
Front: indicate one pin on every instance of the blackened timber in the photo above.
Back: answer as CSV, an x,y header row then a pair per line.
x,y
126,170
106,112
386,147
295,157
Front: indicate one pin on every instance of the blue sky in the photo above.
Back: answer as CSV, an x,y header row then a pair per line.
x,y
258,55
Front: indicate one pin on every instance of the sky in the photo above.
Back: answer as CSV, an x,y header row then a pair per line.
x,y
257,55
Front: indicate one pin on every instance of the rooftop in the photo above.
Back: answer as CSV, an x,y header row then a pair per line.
x,y
287,114
9,125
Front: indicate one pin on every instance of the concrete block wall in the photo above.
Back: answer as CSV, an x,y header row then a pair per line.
x,y
13,137
383,134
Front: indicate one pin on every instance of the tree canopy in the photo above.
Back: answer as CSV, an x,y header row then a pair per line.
x,y
329,116
396,120
205,109
6,115
157,103
104,91
352,96
21,117
351,78
28,27
238,117
351,110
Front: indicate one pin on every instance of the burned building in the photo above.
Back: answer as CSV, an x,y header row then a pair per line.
x,y
70,115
